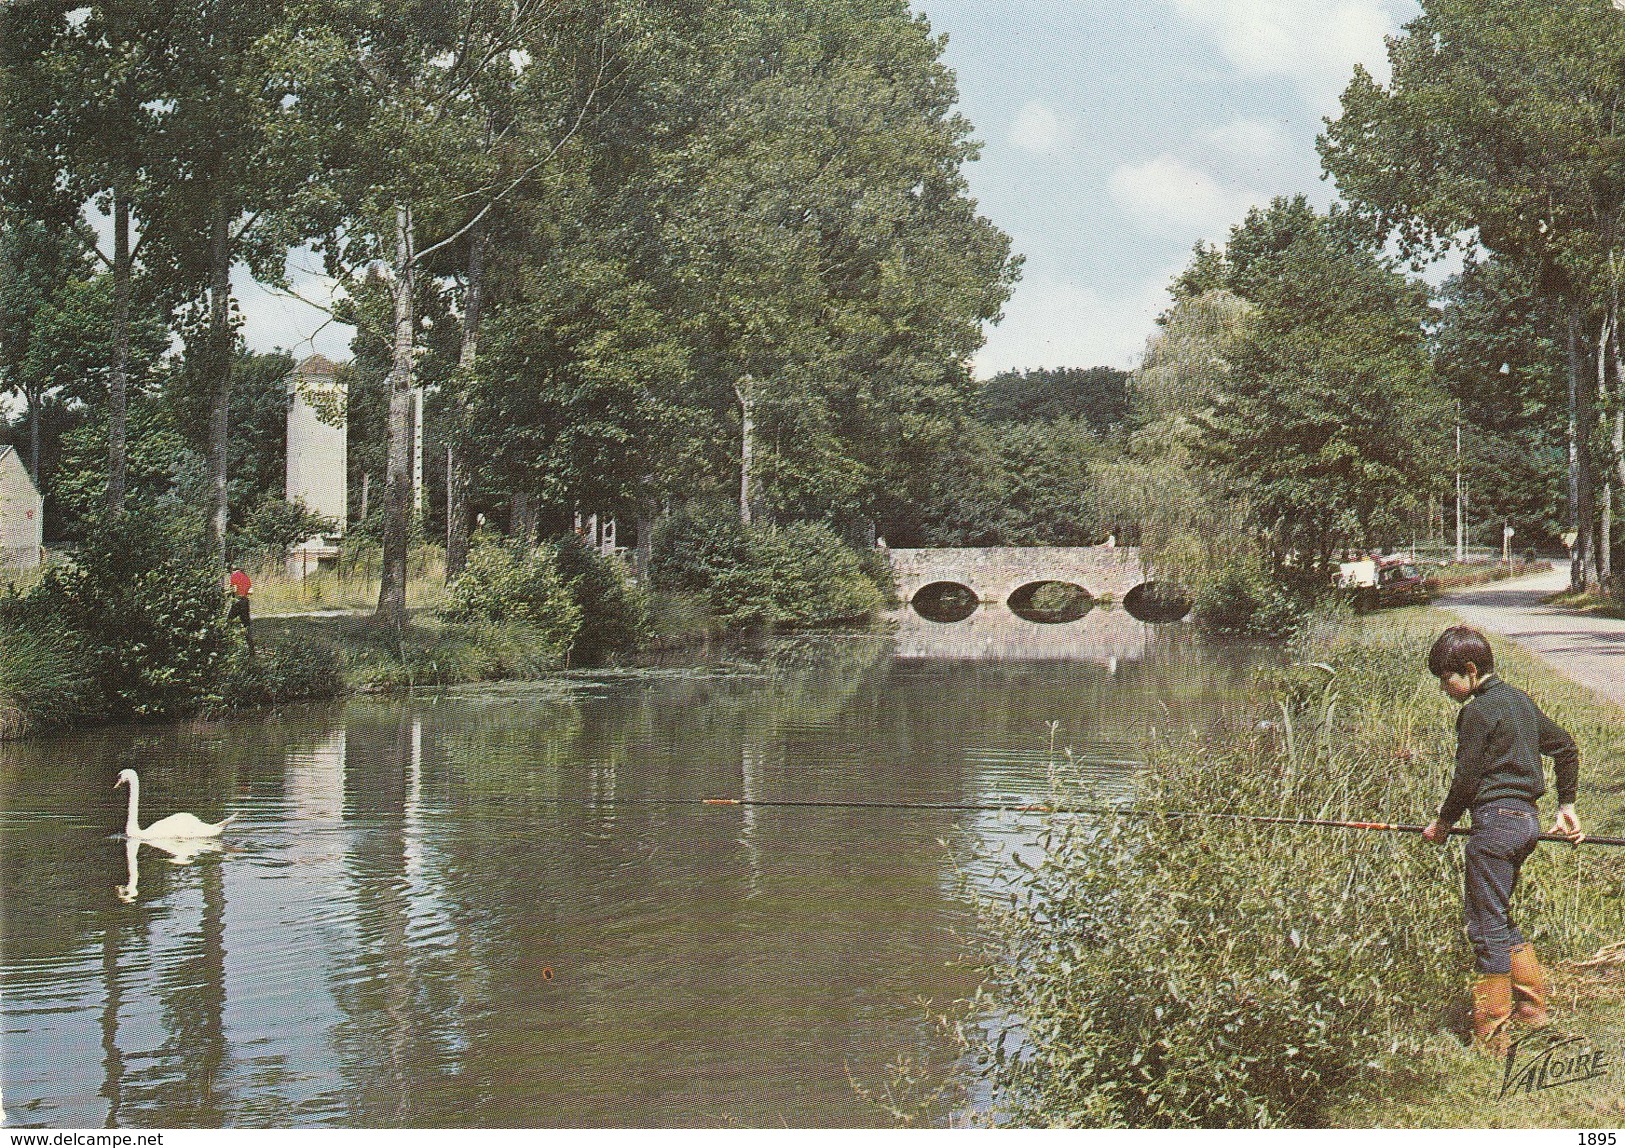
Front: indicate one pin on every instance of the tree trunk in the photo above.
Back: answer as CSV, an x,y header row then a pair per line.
x,y
1618,444
458,479
1582,511
36,398
219,373
1617,440
522,519
644,556
119,384
747,410
1605,529
398,460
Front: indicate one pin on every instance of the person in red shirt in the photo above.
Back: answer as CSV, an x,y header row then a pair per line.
x,y
242,586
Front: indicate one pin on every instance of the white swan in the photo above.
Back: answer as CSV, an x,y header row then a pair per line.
x,y
175,826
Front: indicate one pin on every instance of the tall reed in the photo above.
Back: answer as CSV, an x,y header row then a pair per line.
x,y
1178,972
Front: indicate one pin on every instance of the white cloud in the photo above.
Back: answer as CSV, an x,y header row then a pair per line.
x,y
1165,195
1053,321
1038,128
1248,138
1313,43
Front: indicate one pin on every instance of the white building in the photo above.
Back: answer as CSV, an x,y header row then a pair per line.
x,y
318,457
22,513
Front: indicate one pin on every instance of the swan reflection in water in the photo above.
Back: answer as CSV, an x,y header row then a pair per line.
x,y
181,851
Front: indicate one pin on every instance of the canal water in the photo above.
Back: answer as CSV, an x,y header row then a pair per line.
x,y
507,906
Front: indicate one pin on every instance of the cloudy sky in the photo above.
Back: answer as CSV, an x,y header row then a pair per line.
x,y
1115,135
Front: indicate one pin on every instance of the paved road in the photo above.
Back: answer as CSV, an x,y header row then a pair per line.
x,y
1585,649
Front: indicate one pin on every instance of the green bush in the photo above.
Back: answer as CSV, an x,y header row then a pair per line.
x,y
272,526
432,651
284,672
144,607
614,613
790,576
1242,599
813,578
692,546
507,584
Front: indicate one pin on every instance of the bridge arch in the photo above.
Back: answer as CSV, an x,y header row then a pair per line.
x,y
994,573
1155,601
1050,601
945,602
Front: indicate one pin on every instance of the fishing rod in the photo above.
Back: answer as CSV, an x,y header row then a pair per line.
x,y
1109,811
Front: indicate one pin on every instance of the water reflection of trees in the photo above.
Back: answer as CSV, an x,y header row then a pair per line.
x,y
675,945
494,919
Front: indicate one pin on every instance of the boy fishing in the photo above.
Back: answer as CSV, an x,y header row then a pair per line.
x,y
1500,738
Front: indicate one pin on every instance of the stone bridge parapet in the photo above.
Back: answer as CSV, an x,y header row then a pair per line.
x,y
993,573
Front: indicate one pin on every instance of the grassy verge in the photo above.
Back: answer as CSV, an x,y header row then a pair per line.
x,y
431,651
1186,972
15,580
307,655
1597,605
1459,575
351,586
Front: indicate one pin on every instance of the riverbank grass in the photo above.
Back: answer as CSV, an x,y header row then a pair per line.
x,y
351,586
429,651
1596,605
1178,971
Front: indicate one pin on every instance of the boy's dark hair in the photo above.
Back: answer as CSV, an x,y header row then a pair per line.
x,y
1457,646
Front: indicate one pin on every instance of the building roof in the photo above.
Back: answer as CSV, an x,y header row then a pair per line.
x,y
317,365
21,467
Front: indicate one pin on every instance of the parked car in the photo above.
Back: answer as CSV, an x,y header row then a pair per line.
x,y
1379,581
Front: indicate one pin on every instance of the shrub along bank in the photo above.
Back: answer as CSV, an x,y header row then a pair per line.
x,y
1171,972
790,577
135,628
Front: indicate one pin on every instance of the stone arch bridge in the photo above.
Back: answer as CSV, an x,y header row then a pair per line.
x,y
994,573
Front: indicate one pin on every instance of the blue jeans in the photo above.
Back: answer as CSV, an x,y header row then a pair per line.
x,y
1504,833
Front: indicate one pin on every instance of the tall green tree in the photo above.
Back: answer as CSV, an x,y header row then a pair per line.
x,y
400,96
93,116
1158,491
568,406
42,242
41,270
822,256
1011,484
1330,419
1098,395
1500,126
228,181
1500,351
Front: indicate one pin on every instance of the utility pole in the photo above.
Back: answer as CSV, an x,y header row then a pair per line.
x,y
417,452
1460,552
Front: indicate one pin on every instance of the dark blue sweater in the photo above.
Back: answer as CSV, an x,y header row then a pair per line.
x,y
1500,737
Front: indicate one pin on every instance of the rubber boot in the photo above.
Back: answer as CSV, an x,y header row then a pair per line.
x,y
1492,1013
1528,987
